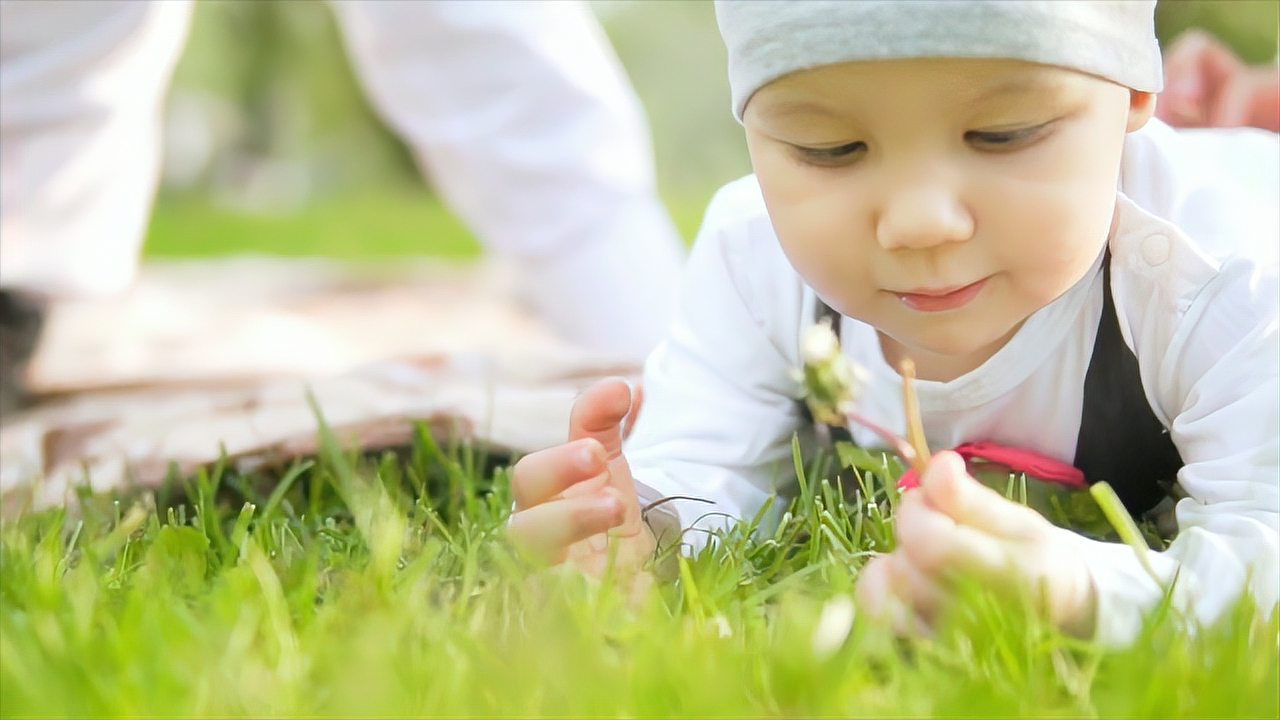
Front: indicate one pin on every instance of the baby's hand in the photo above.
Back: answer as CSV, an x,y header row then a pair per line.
x,y
952,527
574,501
1207,85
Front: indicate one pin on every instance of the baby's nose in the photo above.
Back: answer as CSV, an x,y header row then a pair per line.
x,y
921,218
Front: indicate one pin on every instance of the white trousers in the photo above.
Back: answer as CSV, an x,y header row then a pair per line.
x,y
519,112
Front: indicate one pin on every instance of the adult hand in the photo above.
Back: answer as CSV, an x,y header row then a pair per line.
x,y
576,503
1207,85
954,527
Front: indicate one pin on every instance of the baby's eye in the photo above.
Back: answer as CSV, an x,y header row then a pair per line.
x,y
1004,139
831,155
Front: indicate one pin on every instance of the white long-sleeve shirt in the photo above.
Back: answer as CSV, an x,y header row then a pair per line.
x,y
1201,316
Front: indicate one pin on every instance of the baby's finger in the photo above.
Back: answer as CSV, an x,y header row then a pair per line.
x,y
948,488
938,546
877,599
1183,71
1232,104
545,532
874,586
598,413
918,589
545,474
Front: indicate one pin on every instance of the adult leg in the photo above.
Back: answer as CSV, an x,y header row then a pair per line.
x,y
80,90
524,118
80,106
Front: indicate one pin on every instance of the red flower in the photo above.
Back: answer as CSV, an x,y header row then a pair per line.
x,y
1031,463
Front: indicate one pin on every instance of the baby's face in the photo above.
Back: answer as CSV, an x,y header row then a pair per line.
x,y
942,201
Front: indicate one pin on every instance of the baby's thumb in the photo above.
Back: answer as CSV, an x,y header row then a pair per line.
x,y
943,486
950,489
598,413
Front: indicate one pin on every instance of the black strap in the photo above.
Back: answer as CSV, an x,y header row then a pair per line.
x,y
1121,440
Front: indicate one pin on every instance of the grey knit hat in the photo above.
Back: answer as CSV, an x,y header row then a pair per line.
x,y
766,39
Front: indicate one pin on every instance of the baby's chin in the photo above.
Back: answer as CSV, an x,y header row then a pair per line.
x,y
954,348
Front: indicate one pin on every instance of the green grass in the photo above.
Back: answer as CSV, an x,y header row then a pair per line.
x,y
378,224
370,226
375,586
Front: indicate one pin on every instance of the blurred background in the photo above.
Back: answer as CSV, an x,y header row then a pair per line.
x,y
271,146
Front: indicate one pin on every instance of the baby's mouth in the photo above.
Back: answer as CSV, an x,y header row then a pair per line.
x,y
943,298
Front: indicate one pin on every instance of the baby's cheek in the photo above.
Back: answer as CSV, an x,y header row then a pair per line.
x,y
1037,284
1045,236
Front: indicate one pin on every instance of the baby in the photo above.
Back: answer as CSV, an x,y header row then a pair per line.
x,y
969,185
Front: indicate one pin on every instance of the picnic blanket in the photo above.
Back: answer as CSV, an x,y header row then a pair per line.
x,y
206,358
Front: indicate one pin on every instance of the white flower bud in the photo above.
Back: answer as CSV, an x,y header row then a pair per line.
x,y
819,344
834,624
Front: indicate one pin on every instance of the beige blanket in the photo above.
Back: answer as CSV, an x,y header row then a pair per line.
x,y
203,357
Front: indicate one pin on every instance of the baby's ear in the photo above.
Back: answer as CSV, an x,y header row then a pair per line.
x,y
1142,105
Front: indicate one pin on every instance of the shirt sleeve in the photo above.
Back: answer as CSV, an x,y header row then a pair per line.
x,y
720,400
1219,185
1212,373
